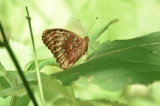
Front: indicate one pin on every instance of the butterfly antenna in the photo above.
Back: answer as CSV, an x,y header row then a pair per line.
x,y
112,22
81,26
92,26
89,31
84,33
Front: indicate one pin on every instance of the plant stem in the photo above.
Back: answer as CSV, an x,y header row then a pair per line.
x,y
35,56
18,67
73,96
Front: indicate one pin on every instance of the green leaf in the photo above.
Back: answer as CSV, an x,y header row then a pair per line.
x,y
12,87
4,82
31,65
2,70
119,63
142,102
5,101
154,91
15,90
52,85
94,92
21,100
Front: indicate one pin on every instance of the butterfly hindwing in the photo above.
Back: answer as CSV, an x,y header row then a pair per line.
x,y
65,45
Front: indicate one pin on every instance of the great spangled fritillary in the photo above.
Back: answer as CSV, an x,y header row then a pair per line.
x,y
66,46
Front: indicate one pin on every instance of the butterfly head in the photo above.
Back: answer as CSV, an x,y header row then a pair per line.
x,y
86,39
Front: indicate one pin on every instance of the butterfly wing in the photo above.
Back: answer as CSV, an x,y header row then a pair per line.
x,y
65,45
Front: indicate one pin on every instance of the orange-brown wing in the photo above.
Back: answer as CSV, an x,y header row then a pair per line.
x,y
65,45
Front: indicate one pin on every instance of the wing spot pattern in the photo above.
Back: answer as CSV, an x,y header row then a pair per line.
x,y
71,46
61,43
75,39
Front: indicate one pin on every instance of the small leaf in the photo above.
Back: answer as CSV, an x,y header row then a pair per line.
x,y
5,101
21,101
31,65
4,82
15,90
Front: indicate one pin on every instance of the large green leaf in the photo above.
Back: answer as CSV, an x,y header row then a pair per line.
x,y
2,70
119,63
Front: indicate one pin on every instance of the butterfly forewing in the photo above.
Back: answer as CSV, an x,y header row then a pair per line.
x,y
66,46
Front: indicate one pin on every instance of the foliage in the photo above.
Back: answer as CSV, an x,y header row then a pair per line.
x,y
123,70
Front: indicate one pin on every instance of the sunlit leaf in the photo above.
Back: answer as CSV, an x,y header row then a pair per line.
x,y
14,90
119,63
21,100
2,70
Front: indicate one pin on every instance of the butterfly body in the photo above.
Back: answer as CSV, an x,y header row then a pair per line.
x,y
66,46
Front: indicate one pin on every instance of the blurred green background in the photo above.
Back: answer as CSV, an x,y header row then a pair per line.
x,y
136,18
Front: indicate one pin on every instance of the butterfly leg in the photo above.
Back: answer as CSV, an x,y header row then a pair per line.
x,y
89,55
91,47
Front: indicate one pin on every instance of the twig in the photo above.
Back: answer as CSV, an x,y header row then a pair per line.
x,y
35,56
18,67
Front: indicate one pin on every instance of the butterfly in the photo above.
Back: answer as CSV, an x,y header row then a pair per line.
x,y
66,46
